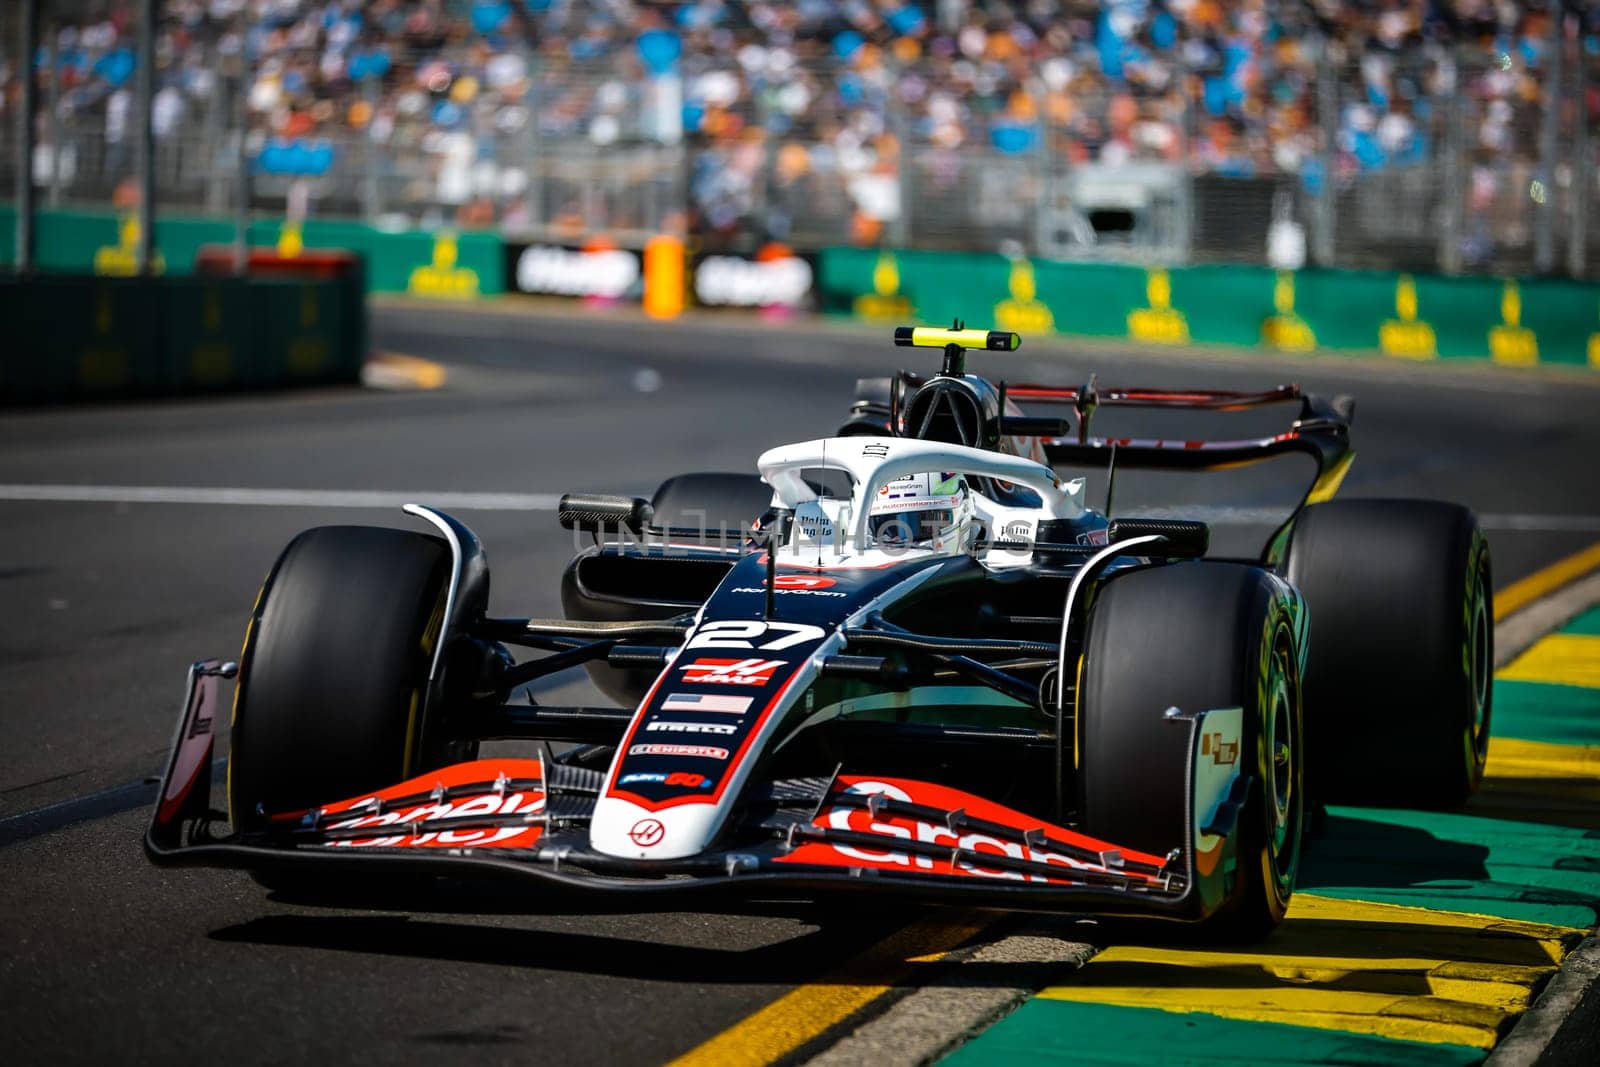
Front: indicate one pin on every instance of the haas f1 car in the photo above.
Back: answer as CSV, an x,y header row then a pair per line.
x,y
906,659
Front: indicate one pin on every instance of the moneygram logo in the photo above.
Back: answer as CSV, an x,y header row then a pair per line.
x,y
731,671
802,581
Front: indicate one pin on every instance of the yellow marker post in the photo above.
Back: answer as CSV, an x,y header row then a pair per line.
x,y
290,243
663,277
1511,343
1286,330
103,363
1159,323
211,358
885,303
1407,336
122,259
1594,349
1023,311
440,277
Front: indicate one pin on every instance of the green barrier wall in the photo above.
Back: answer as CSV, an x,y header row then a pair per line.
x,y
76,337
1506,320
443,264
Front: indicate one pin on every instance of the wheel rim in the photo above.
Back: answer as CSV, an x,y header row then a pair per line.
x,y
1280,740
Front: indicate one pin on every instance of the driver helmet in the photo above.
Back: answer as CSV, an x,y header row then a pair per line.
x,y
932,510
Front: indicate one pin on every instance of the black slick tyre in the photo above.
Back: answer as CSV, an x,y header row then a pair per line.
x,y
1398,690
329,700
1195,636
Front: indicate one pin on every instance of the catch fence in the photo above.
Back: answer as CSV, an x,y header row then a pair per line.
x,y
1459,160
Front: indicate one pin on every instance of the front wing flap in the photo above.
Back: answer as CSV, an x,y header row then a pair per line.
x,y
528,819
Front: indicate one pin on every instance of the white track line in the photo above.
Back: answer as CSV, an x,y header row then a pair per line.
x,y
377,498
1230,516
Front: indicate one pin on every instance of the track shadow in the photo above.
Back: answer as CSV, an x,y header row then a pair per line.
x,y
1367,853
1566,801
894,959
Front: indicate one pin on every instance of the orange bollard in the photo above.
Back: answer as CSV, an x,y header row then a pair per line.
x,y
663,277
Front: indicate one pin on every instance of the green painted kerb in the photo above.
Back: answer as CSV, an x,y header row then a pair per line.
x,y
1068,1032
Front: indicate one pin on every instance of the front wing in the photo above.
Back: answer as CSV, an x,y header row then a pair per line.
x,y
809,837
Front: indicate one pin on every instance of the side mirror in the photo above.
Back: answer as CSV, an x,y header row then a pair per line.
x,y
596,512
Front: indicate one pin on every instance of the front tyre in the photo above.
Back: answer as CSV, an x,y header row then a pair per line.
x,y
1196,636
332,680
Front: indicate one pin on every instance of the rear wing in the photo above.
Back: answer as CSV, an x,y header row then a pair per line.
x,y
1319,429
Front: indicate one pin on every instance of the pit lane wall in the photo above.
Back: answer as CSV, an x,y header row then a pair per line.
x,y
77,337
1512,321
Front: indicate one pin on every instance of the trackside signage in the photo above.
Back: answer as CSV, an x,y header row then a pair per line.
x,y
774,278
592,271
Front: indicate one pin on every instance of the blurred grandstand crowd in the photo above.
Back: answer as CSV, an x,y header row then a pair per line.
x,y
782,93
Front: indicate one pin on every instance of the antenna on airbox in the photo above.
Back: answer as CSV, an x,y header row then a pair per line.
x,y
955,356
822,489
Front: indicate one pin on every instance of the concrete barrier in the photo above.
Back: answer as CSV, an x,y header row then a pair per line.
x,y
72,337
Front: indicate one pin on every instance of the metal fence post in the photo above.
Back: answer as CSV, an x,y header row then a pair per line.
x,y
216,125
1544,248
371,206
1043,184
241,162
1582,174
1328,116
1449,252
29,44
52,115
145,81
900,124
534,192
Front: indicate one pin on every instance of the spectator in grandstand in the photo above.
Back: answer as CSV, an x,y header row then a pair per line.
x,y
796,109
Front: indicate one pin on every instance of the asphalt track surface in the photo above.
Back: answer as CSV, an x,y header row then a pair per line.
x,y
105,958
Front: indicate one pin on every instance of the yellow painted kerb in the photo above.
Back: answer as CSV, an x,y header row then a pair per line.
x,y
1520,594
1559,659
808,1012
1441,977
1511,757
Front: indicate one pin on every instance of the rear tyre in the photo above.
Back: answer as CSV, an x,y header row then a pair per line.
x,y
1195,636
1398,693
332,679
